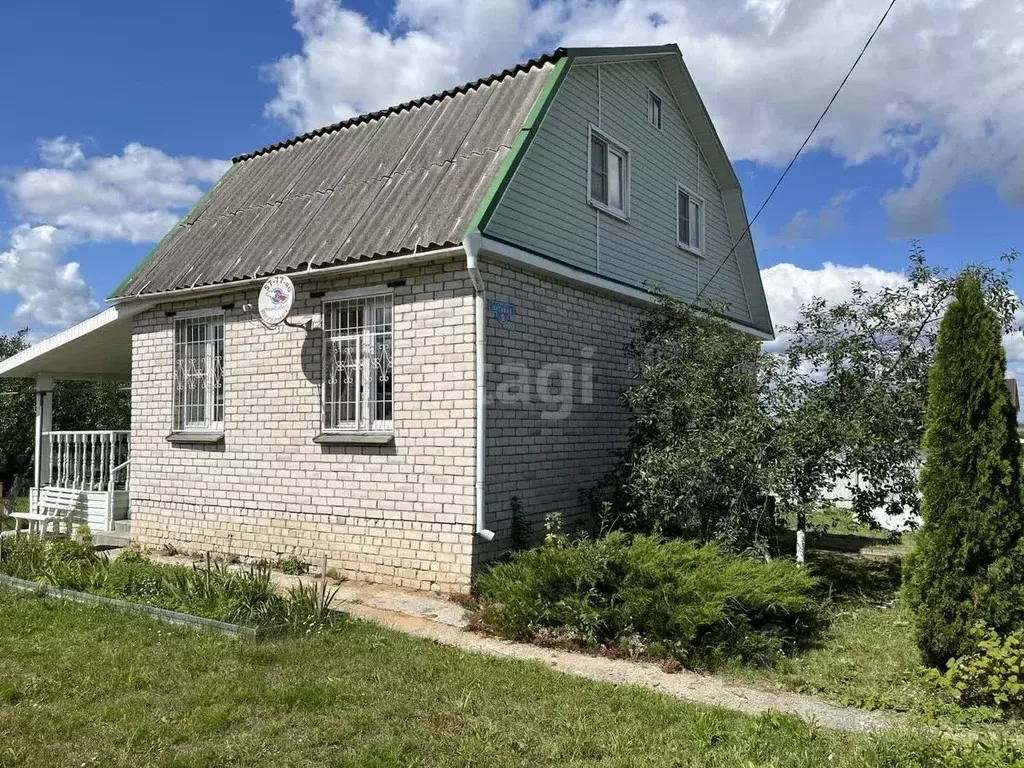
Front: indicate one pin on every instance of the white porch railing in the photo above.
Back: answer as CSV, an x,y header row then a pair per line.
x,y
88,461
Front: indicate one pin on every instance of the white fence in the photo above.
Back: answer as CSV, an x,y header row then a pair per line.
x,y
88,461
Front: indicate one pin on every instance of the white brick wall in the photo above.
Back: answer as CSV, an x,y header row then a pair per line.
x,y
550,464
400,514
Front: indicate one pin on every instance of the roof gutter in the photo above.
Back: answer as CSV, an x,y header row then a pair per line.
x,y
347,268
472,249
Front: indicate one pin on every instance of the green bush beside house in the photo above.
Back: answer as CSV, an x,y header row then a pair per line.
x,y
644,596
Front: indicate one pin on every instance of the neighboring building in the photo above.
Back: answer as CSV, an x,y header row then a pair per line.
x,y
468,269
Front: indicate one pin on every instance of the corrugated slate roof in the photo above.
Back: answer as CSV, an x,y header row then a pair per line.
x,y
404,179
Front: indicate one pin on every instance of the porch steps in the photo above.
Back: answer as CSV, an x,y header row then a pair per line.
x,y
115,538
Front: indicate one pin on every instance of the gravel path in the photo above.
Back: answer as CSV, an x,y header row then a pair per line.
x,y
433,618
689,686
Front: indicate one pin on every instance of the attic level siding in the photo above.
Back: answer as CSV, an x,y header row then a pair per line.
x,y
545,209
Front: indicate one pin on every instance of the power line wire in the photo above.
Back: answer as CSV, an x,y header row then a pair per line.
x,y
803,146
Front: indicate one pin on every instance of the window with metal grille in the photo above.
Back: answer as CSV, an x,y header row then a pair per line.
x,y
199,373
609,175
690,221
358,389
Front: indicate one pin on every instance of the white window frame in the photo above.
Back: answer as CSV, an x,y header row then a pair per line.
x,y
698,201
652,99
612,146
213,374
365,421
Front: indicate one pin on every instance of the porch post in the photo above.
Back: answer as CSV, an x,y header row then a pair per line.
x,y
44,423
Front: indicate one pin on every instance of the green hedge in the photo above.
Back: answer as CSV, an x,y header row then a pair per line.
x,y
644,596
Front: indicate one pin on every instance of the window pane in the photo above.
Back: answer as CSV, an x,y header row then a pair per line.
x,y
357,375
218,371
198,373
695,226
684,218
615,180
654,111
598,170
379,394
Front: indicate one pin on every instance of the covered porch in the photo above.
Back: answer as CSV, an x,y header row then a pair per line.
x,y
94,463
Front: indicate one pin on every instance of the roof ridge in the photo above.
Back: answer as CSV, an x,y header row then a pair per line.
x,y
368,116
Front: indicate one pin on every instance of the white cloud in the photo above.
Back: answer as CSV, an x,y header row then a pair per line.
x,y
72,198
937,91
789,287
51,293
133,196
806,225
60,151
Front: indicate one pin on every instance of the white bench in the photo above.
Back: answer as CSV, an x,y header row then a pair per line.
x,y
53,506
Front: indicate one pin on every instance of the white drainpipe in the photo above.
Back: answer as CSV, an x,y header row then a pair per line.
x,y
472,247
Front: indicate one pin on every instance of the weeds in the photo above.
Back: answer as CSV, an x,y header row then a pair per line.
x,y
292,565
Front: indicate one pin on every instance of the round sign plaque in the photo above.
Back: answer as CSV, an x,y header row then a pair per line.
x,y
276,298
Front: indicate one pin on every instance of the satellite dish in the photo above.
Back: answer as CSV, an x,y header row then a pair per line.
x,y
276,298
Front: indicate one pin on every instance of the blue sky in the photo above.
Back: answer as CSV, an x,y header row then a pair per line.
x,y
118,115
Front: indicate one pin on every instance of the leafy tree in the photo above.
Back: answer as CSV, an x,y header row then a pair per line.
x,y
868,360
722,427
17,416
967,567
705,446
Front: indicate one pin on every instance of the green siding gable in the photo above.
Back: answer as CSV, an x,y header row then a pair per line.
x,y
544,207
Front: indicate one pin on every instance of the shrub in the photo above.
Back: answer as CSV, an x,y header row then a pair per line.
x,y
22,556
992,674
292,565
968,567
698,605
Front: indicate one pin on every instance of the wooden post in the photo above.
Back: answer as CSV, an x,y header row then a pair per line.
x,y
44,424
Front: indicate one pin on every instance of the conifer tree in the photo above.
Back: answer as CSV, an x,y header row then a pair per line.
x,y
968,565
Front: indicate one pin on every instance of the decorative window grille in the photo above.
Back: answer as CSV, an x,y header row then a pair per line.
x,y
199,373
358,389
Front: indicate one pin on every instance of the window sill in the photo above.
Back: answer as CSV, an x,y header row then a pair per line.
x,y
692,251
355,438
196,438
622,215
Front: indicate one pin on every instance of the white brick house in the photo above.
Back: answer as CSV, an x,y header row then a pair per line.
x,y
467,269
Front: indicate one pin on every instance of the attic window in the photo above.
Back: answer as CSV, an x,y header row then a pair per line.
x,y
654,109
689,221
609,175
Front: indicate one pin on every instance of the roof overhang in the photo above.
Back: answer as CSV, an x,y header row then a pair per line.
x,y
97,348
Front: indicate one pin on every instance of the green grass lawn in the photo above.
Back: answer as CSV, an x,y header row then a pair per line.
x,y
868,657
85,686
833,529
